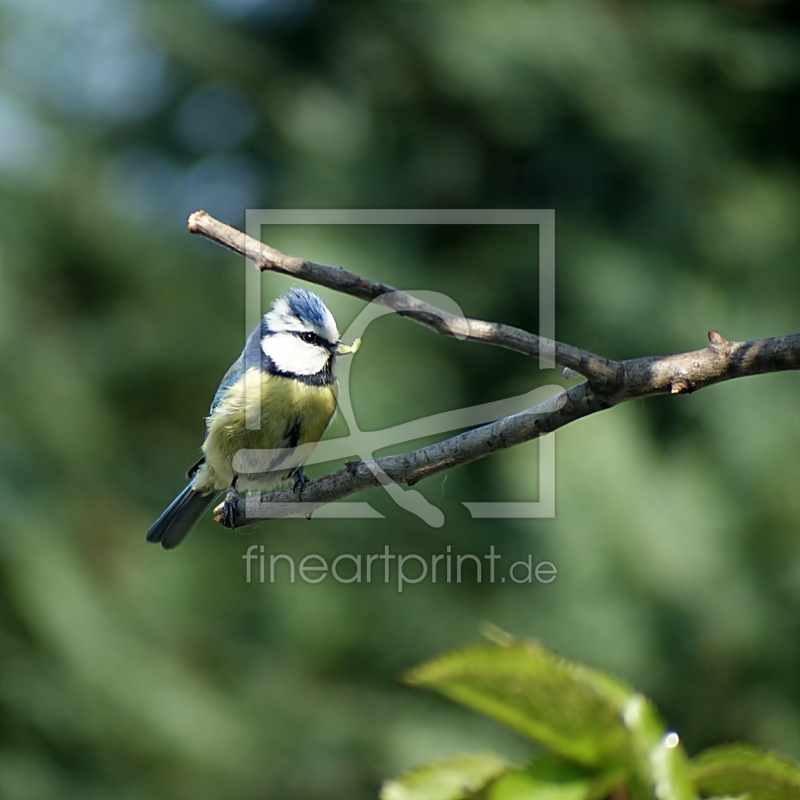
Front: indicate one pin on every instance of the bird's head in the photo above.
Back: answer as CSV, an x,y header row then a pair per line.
x,y
300,334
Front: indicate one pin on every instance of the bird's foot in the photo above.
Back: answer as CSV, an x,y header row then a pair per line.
x,y
300,481
229,508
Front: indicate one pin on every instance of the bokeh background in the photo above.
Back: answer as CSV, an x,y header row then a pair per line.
x,y
664,136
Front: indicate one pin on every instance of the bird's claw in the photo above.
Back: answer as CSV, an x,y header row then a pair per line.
x,y
300,481
229,508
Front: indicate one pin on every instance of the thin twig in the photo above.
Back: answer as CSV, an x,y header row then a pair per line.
x,y
603,374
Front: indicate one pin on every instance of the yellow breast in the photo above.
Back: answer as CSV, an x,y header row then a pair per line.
x,y
285,411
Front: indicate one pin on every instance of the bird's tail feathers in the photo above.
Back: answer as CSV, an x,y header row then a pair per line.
x,y
180,517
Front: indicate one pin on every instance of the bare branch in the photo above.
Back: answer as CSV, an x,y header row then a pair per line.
x,y
642,377
600,371
609,383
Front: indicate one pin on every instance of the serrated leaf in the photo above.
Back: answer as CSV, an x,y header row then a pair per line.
x,y
454,779
572,710
744,770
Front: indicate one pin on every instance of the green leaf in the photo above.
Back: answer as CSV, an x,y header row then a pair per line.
x,y
578,713
453,779
572,710
660,765
744,770
551,778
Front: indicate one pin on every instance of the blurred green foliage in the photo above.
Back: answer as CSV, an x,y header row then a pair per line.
x,y
603,739
663,136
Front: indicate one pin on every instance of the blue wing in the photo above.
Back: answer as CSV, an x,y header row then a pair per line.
x,y
186,509
251,356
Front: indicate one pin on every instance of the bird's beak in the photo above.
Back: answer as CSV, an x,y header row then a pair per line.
x,y
344,349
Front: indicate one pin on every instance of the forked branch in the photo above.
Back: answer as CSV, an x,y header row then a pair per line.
x,y
608,383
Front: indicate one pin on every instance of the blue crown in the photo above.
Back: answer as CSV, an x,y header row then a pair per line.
x,y
306,305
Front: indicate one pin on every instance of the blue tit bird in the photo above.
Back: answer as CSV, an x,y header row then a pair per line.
x,y
279,395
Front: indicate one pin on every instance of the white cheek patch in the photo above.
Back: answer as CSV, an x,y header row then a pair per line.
x,y
292,355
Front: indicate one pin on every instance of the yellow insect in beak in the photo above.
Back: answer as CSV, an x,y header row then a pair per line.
x,y
344,349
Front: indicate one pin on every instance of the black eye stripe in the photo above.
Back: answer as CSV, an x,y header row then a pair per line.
x,y
312,338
